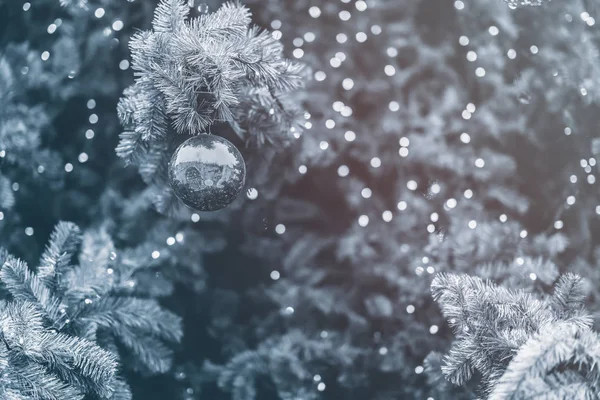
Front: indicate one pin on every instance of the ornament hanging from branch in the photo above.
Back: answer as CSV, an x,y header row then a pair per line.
x,y
217,73
207,172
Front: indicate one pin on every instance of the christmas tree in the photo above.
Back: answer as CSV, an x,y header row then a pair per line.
x,y
417,215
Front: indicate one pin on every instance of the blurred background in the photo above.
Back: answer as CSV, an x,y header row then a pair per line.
x,y
437,136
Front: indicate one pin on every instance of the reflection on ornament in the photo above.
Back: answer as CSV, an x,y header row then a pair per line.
x,y
524,98
207,172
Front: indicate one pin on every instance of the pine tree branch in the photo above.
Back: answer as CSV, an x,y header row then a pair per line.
x,y
193,73
569,295
24,285
54,332
58,253
136,314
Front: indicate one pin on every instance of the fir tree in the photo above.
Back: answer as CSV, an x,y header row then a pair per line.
x,y
427,166
73,322
518,345
416,159
57,66
193,74
22,123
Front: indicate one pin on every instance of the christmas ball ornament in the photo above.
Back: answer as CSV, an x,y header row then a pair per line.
x,y
207,172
